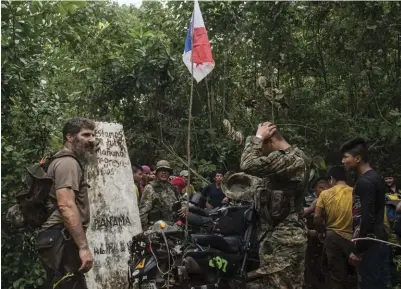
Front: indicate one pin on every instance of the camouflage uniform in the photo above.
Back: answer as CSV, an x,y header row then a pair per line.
x,y
283,234
156,203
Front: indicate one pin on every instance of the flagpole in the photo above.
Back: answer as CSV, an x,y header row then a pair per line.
x,y
190,116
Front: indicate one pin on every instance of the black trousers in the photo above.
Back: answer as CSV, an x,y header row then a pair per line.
x,y
60,258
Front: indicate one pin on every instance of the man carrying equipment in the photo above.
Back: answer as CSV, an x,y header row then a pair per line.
x,y
283,234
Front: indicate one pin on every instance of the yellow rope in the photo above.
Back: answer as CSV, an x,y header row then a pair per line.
x,y
68,275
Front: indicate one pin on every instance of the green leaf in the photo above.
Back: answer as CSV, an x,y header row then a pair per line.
x,y
349,46
17,283
395,113
376,71
8,148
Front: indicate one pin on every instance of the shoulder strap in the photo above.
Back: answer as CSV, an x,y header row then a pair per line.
x,y
64,153
296,206
155,185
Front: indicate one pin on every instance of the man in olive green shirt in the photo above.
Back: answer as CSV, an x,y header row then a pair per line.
x,y
61,243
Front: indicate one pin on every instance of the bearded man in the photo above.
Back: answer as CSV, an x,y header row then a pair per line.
x,y
61,243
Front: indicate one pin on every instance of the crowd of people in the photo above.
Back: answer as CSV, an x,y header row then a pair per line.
x,y
340,214
331,231
162,185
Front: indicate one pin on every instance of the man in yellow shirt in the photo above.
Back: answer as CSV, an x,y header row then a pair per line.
x,y
336,202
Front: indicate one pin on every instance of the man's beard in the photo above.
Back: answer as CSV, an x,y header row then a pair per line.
x,y
84,153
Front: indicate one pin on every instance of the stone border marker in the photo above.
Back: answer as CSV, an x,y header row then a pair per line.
x,y
114,209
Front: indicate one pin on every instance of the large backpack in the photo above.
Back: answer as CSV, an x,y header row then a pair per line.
x,y
31,210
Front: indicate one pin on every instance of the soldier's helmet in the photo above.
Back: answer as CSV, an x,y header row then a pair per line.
x,y
240,186
163,164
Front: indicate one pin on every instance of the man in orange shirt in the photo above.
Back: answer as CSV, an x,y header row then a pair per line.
x,y
336,202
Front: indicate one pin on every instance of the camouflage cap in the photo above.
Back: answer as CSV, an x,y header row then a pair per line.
x,y
163,164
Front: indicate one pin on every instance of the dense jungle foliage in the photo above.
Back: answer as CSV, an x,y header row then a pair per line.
x,y
324,71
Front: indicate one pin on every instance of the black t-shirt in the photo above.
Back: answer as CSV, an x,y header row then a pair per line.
x,y
368,209
214,194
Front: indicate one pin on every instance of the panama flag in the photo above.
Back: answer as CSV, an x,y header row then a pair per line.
x,y
199,50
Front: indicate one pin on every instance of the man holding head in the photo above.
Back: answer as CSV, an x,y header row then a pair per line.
x,y
371,258
283,234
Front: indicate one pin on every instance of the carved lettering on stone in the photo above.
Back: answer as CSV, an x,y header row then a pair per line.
x,y
114,209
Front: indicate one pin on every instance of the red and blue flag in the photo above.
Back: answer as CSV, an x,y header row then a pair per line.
x,y
199,51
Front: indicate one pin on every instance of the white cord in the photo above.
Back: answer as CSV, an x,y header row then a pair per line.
x,y
377,240
168,272
157,262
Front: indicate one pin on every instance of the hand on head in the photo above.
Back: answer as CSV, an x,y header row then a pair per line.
x,y
266,130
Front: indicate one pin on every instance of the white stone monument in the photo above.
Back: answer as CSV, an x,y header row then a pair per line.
x,y
114,209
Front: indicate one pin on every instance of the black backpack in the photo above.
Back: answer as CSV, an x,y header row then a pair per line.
x,y
31,209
